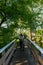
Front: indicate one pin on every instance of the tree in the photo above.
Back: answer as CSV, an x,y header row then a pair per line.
x,y
27,11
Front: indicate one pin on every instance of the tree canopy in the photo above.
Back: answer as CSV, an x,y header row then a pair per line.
x,y
26,10
20,14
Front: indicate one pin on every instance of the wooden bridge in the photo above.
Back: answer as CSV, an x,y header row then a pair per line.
x,y
12,55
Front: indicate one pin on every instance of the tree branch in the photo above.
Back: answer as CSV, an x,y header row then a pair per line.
x,y
3,19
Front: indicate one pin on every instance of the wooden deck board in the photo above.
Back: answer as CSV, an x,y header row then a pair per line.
x,y
21,57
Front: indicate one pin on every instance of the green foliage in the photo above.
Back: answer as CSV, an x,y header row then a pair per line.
x,y
27,11
19,9
6,35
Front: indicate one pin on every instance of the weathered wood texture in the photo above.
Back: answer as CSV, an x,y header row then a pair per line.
x,y
22,57
6,56
36,54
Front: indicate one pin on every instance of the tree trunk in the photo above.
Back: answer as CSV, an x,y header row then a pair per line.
x,y
4,18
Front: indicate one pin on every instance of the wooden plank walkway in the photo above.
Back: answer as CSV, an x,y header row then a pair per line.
x,y
21,57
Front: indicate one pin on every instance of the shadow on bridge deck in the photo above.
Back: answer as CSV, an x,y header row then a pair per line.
x,y
21,57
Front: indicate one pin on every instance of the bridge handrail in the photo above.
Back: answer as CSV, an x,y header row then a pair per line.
x,y
7,52
38,47
37,51
5,47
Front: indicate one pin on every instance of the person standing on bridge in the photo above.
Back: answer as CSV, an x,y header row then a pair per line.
x,y
21,38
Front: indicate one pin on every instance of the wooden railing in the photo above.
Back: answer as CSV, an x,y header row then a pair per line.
x,y
7,52
36,51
